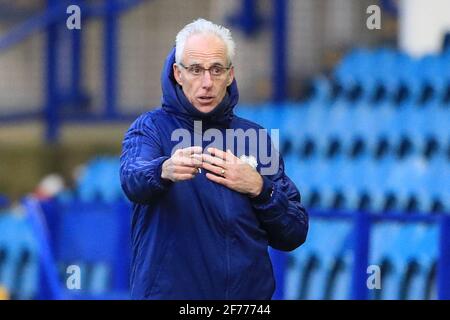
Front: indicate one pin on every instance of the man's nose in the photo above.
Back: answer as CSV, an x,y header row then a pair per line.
x,y
207,79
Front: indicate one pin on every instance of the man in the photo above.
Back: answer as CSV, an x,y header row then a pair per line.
x,y
203,217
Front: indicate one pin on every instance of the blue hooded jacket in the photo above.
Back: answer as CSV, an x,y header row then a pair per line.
x,y
197,239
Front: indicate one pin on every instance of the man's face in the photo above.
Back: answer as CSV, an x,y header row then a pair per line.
x,y
206,90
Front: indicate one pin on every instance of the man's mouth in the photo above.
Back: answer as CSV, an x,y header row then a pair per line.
x,y
205,99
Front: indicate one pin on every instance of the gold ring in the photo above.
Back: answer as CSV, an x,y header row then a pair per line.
x,y
222,172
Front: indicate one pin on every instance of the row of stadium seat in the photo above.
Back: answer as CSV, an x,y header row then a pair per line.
x,y
377,185
406,255
365,184
387,75
312,129
357,147
387,184
340,164
347,121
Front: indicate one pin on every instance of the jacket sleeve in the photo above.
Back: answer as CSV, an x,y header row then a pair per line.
x,y
141,162
280,212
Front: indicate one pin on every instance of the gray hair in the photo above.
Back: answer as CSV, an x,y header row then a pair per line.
x,y
202,26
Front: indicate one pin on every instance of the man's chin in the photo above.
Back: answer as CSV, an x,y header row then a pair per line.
x,y
205,108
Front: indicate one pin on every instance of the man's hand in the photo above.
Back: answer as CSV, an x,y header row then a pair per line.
x,y
227,169
183,165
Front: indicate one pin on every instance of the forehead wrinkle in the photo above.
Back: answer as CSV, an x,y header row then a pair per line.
x,y
205,48
215,55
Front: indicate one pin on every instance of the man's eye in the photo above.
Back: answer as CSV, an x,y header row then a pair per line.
x,y
216,70
196,70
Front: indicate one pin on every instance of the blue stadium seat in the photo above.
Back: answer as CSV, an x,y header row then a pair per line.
x,y
321,89
432,73
325,244
378,174
401,253
19,257
401,179
366,124
339,126
402,246
312,125
409,78
299,173
388,72
426,255
330,249
100,181
438,182
383,237
293,127
354,64
361,178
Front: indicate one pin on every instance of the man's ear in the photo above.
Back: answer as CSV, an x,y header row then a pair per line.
x,y
177,74
230,76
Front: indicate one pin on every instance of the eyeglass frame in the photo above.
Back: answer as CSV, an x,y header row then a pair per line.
x,y
206,69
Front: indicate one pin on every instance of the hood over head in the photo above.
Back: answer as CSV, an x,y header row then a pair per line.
x,y
174,101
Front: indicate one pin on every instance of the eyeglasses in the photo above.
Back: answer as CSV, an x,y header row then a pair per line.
x,y
196,70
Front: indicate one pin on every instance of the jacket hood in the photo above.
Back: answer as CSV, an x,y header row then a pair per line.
x,y
174,101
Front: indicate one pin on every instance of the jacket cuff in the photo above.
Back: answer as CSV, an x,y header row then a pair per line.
x,y
160,182
266,193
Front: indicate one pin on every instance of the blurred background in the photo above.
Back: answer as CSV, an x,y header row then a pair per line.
x,y
360,91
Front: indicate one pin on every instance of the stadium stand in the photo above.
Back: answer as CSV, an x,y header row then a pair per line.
x,y
373,137
87,227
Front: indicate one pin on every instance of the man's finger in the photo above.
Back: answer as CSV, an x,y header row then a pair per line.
x,y
218,153
228,156
214,169
188,161
213,160
185,169
217,179
192,150
196,156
